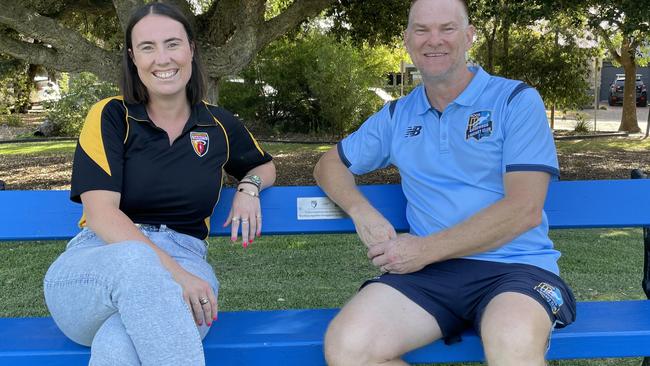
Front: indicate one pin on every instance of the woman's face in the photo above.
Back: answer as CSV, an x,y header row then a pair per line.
x,y
163,56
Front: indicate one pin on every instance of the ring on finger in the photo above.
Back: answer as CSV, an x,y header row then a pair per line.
x,y
203,300
259,216
236,218
244,221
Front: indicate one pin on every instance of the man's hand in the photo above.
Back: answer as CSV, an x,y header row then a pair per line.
x,y
373,228
403,254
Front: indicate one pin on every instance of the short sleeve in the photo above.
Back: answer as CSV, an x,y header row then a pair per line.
x,y
528,139
99,156
369,147
245,152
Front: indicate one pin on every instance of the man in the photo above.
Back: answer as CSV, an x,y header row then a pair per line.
x,y
475,156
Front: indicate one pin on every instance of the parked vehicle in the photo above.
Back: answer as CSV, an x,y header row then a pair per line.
x,y
618,86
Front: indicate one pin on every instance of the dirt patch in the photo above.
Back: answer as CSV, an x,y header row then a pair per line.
x,y
29,172
53,171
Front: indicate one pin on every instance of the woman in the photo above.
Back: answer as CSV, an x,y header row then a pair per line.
x,y
134,283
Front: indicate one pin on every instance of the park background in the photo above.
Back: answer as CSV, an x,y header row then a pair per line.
x,y
303,73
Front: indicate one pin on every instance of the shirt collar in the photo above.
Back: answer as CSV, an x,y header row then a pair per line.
x,y
467,98
475,88
199,115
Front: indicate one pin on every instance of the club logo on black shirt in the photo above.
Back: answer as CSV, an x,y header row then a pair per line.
x,y
200,142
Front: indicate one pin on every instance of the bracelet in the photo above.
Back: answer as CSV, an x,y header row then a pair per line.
x,y
250,193
252,179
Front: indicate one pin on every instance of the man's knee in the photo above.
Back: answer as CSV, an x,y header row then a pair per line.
x,y
514,329
351,343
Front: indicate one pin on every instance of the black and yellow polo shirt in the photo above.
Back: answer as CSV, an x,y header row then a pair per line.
x,y
120,149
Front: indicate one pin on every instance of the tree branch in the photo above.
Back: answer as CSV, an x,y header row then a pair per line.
x,y
124,8
63,61
69,52
297,12
609,44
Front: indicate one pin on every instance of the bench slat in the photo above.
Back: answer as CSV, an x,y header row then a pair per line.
x,y
47,215
294,337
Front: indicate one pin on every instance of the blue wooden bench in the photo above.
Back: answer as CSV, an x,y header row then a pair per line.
x,y
294,337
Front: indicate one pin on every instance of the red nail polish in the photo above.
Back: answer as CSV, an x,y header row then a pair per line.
x,y
244,244
208,324
215,318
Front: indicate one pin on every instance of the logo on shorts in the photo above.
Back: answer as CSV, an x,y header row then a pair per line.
x,y
552,295
413,131
479,125
200,142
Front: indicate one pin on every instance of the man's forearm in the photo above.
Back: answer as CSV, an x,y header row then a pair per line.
x,y
339,184
519,211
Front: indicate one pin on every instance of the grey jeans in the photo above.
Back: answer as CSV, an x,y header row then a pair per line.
x,y
121,301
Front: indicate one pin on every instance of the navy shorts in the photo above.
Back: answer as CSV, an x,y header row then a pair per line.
x,y
457,291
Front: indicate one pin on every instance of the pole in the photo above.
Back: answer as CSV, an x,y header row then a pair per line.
x,y
401,71
596,92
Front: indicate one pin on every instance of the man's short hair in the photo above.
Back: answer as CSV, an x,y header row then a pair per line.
x,y
131,86
462,2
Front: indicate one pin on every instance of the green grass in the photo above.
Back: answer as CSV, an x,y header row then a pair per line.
x,y
279,149
603,144
45,147
317,271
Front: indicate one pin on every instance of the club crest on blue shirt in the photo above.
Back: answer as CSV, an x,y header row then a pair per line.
x,y
479,125
200,142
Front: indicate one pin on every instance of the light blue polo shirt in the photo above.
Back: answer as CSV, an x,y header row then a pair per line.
x,y
452,164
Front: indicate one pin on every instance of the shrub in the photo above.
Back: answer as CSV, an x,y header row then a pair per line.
x,y
310,84
67,114
582,125
11,120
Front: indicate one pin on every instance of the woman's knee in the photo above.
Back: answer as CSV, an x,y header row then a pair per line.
x,y
112,346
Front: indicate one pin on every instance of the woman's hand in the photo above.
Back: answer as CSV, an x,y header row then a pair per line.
x,y
198,295
245,211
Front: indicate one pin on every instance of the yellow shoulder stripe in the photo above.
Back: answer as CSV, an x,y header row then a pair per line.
x,y
91,140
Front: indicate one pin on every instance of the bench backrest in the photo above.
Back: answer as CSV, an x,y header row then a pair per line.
x,y
46,215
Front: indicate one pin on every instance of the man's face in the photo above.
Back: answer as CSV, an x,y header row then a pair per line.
x,y
437,38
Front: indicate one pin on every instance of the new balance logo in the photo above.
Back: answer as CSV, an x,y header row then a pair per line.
x,y
413,131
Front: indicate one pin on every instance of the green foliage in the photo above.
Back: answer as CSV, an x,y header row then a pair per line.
x,y
558,70
311,84
372,21
582,125
67,114
15,85
11,120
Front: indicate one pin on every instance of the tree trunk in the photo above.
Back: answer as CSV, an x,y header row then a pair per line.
x,y
629,122
552,116
212,94
490,48
505,31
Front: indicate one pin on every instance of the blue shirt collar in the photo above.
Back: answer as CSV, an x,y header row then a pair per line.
x,y
467,98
